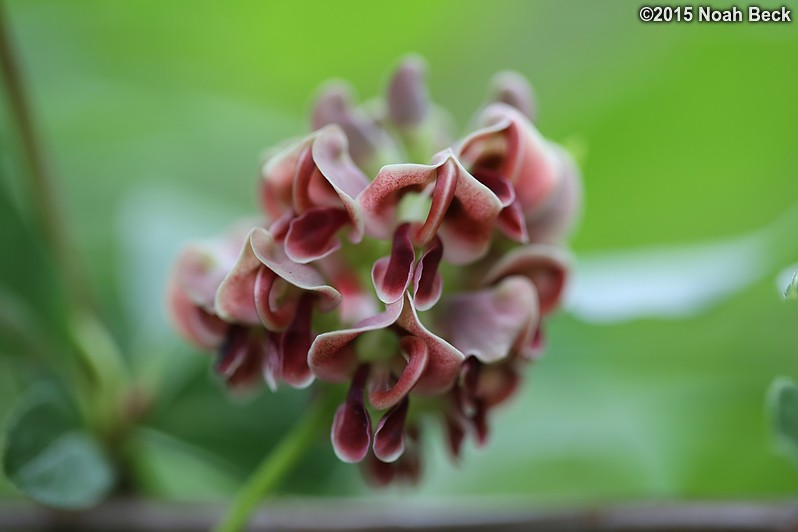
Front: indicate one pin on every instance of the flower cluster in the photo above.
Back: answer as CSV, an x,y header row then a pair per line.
x,y
421,285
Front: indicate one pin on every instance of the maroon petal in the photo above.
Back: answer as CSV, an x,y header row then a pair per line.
x,y
491,324
384,396
455,434
346,179
295,344
248,373
233,351
546,266
467,228
427,282
391,275
497,383
528,163
274,317
444,359
278,175
311,236
199,327
351,428
379,201
273,362
389,438
561,212
272,255
513,89
378,473
511,222
408,100
332,356
235,298
442,196
368,142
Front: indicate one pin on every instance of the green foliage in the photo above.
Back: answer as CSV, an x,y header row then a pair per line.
x,y
50,458
783,409
791,293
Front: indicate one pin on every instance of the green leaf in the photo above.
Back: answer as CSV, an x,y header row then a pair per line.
x,y
783,406
50,458
791,293
168,468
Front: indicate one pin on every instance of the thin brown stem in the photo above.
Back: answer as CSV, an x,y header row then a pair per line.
x,y
47,208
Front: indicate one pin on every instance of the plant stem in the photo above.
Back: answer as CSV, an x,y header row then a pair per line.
x,y
45,198
276,465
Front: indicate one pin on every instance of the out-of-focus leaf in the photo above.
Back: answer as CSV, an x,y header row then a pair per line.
x,y
50,458
172,469
791,293
783,406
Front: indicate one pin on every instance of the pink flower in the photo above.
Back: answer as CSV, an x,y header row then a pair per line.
x,y
412,273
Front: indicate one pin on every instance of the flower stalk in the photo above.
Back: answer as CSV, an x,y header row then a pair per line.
x,y
277,464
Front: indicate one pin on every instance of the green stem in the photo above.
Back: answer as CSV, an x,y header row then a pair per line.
x,y
276,465
100,359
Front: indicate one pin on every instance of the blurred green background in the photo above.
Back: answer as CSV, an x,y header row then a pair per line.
x,y
155,114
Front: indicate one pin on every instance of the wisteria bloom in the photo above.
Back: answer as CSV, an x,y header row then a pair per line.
x,y
410,268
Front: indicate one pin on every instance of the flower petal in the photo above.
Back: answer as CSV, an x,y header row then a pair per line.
x,y
383,395
272,255
561,212
332,356
513,89
511,222
351,428
277,178
198,326
546,266
235,298
391,275
408,99
527,161
367,140
489,324
295,344
427,282
312,235
389,438
444,359
380,199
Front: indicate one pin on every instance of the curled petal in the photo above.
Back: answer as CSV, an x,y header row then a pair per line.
x,y
561,212
379,201
277,178
311,236
273,363
235,298
513,89
463,210
389,438
497,383
295,344
332,356
392,274
408,100
444,359
491,324
233,351
455,434
367,139
247,295
511,222
545,265
379,473
272,255
351,428
198,326
199,269
427,282
347,180
510,145
382,395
